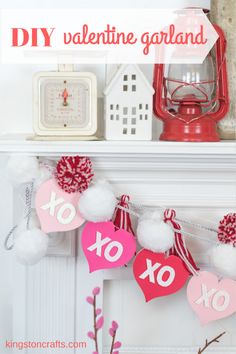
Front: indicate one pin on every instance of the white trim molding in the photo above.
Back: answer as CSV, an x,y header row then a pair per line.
x,y
175,350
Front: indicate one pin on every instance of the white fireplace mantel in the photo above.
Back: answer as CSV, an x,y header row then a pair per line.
x,y
49,298
198,169
23,144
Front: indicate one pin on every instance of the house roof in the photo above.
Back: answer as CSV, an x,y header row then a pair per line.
x,y
120,71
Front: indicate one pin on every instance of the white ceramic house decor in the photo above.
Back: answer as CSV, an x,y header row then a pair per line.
x,y
128,105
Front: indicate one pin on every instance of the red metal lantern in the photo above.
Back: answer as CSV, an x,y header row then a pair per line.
x,y
191,98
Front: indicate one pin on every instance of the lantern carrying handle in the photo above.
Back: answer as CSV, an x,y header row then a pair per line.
x,y
222,91
160,103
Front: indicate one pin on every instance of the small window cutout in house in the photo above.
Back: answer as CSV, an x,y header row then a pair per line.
x,y
141,117
111,107
133,77
140,106
125,87
117,117
117,107
134,88
146,106
133,110
125,110
133,131
146,117
125,131
125,77
125,121
133,121
112,116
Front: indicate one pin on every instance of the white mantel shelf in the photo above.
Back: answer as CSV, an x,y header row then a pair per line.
x,y
20,144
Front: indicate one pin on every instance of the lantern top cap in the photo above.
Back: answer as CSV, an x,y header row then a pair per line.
x,y
200,4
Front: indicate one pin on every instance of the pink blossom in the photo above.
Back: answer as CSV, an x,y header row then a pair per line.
x,y
116,352
117,345
100,322
89,299
98,312
115,325
91,335
111,332
96,291
95,352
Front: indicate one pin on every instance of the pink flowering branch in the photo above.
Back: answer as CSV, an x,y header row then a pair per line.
x,y
114,344
98,322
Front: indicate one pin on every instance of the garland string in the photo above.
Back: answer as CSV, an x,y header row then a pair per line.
x,y
28,210
136,214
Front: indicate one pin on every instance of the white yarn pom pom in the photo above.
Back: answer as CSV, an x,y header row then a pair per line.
x,y
223,258
31,246
22,169
154,234
98,202
33,224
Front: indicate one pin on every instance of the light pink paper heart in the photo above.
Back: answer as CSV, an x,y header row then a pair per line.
x,y
56,209
106,248
210,298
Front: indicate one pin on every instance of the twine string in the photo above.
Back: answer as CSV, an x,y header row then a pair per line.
x,y
9,239
7,245
187,233
134,207
28,202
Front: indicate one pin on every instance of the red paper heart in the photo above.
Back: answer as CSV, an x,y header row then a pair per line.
x,y
158,275
106,248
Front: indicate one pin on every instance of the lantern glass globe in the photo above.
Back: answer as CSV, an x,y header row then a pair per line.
x,y
192,82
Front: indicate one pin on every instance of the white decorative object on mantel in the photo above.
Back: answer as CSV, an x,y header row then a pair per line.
x,y
128,105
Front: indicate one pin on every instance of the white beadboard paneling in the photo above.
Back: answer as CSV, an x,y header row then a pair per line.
x,y
45,305
51,299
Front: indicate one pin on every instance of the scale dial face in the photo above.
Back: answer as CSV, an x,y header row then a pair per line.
x,y
66,104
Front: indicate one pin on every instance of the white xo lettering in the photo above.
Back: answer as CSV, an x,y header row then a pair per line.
x,y
161,279
65,214
113,250
219,300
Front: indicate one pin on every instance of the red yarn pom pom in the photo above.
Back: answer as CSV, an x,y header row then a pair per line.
x,y
227,229
74,173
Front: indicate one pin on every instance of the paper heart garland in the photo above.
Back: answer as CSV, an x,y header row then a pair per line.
x,y
158,275
56,209
210,298
106,248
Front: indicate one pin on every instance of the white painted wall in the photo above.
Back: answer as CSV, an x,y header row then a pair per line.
x,y
15,117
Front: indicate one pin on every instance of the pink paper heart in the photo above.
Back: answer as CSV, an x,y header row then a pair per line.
x,y
210,298
106,248
56,209
158,275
